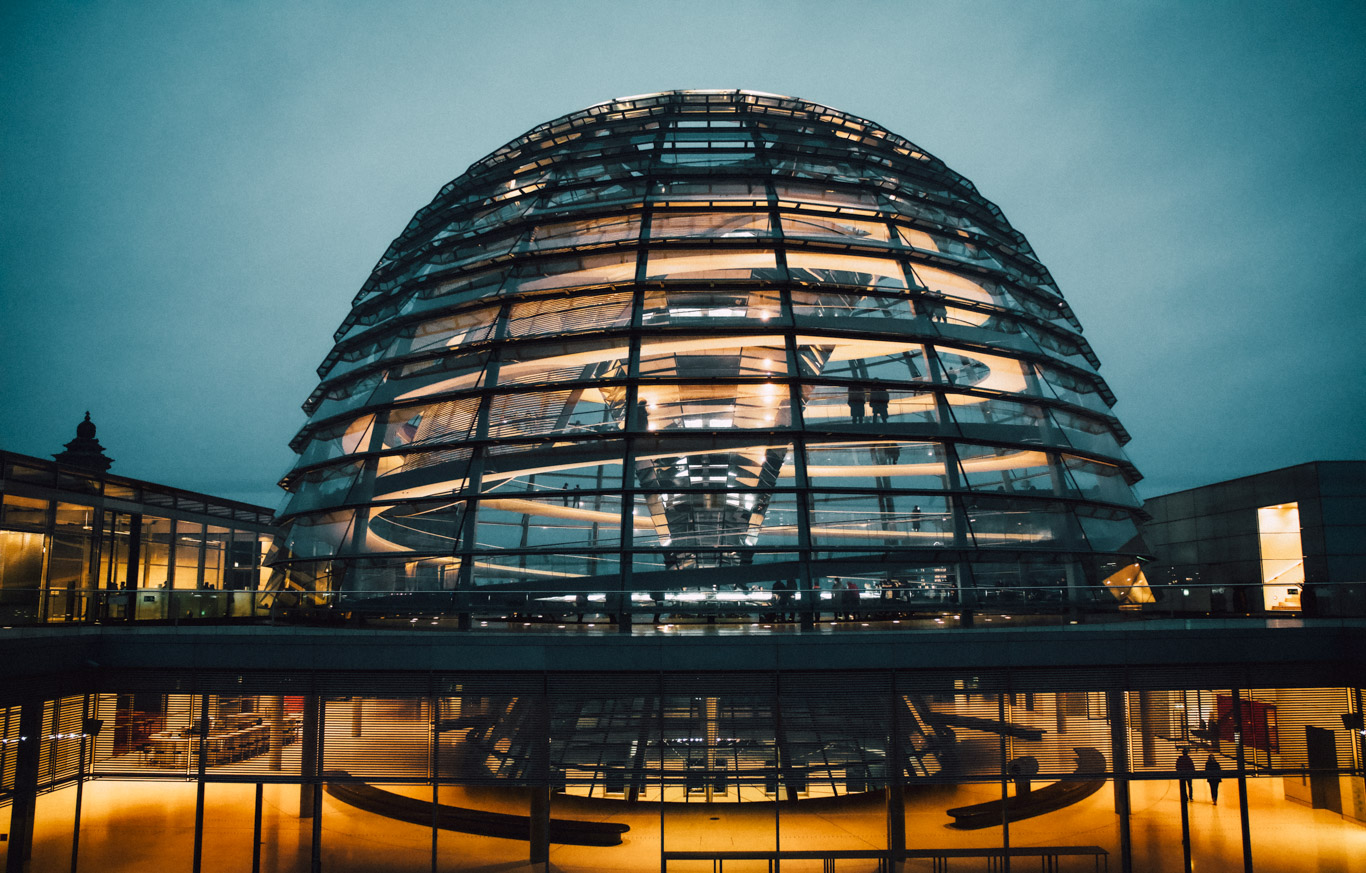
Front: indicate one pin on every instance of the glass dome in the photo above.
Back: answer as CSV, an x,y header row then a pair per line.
x,y
670,352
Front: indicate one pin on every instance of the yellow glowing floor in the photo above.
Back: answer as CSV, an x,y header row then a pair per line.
x,y
142,826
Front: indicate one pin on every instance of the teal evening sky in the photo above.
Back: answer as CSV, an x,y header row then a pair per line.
x,y
191,193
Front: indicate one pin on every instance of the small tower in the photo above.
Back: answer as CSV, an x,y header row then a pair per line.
x,y
85,451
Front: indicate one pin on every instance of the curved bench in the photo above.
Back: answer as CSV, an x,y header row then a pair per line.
x,y
470,821
987,725
1050,798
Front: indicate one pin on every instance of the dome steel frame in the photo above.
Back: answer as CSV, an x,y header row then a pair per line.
x,y
710,352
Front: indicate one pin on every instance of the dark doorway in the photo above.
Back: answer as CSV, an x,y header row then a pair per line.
x,y
1323,769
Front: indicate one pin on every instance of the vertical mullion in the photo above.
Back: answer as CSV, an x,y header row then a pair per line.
x,y
808,591
434,717
474,476
316,859
626,537
199,779
1242,780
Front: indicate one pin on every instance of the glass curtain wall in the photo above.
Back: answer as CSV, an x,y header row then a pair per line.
x,y
116,550
634,771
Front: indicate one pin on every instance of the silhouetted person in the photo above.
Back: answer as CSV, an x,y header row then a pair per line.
x,y
850,598
915,518
1185,768
938,311
856,404
1213,773
564,496
1308,600
1022,783
878,399
782,596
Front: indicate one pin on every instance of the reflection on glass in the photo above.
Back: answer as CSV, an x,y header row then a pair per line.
x,y
822,268
722,225
711,264
831,227
689,306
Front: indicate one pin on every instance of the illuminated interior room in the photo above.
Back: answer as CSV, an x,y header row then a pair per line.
x,y
704,480
1283,542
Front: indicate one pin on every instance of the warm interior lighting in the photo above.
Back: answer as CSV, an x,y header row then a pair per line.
x,y
1129,585
1282,553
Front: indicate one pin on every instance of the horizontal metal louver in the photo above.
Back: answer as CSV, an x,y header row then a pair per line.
x,y
555,316
59,740
9,747
377,738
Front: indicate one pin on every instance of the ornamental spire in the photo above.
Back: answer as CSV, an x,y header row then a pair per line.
x,y
85,451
